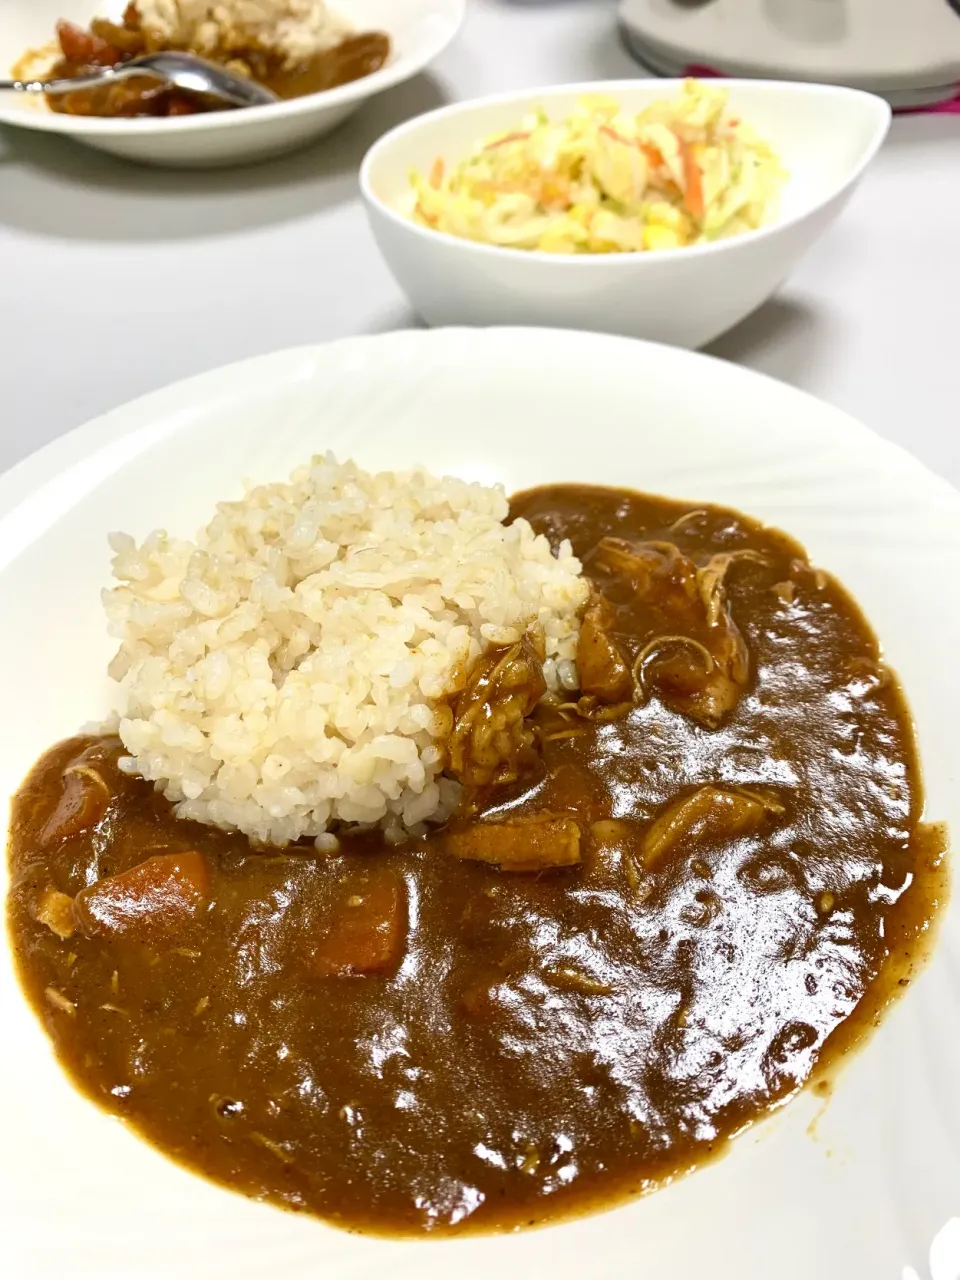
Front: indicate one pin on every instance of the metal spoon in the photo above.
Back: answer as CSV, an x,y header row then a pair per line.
x,y
182,70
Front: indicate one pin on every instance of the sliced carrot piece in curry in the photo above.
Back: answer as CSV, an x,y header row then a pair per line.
x,y
367,931
151,902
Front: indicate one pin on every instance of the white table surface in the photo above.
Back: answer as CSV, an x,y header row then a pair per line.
x,y
116,279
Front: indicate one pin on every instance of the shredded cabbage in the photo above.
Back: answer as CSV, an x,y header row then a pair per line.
x,y
601,181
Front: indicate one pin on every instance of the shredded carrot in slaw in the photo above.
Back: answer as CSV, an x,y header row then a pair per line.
x,y
692,182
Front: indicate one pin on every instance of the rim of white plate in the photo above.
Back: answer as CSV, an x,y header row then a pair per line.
x,y
20,481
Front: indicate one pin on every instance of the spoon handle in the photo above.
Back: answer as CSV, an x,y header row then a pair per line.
x,y
63,85
24,86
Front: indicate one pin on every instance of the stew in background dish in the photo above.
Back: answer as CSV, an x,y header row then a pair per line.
x,y
106,44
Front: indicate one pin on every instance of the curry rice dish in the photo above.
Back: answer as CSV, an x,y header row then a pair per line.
x,y
292,47
603,838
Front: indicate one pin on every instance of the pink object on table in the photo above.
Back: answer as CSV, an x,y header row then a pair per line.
x,y
949,107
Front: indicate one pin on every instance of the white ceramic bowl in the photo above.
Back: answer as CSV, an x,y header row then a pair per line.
x,y
826,137
418,30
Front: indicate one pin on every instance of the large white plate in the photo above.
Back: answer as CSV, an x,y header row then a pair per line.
x,y
875,1193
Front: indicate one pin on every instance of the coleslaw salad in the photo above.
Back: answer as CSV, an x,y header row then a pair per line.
x,y
678,173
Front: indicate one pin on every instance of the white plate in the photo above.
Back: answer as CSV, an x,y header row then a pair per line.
x,y
874,1192
419,30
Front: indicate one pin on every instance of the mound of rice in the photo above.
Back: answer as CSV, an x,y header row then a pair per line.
x,y
281,674
297,28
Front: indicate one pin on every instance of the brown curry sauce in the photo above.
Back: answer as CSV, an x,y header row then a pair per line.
x,y
400,1040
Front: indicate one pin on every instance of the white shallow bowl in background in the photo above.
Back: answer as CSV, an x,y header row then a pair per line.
x,y
826,137
874,1194
418,29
